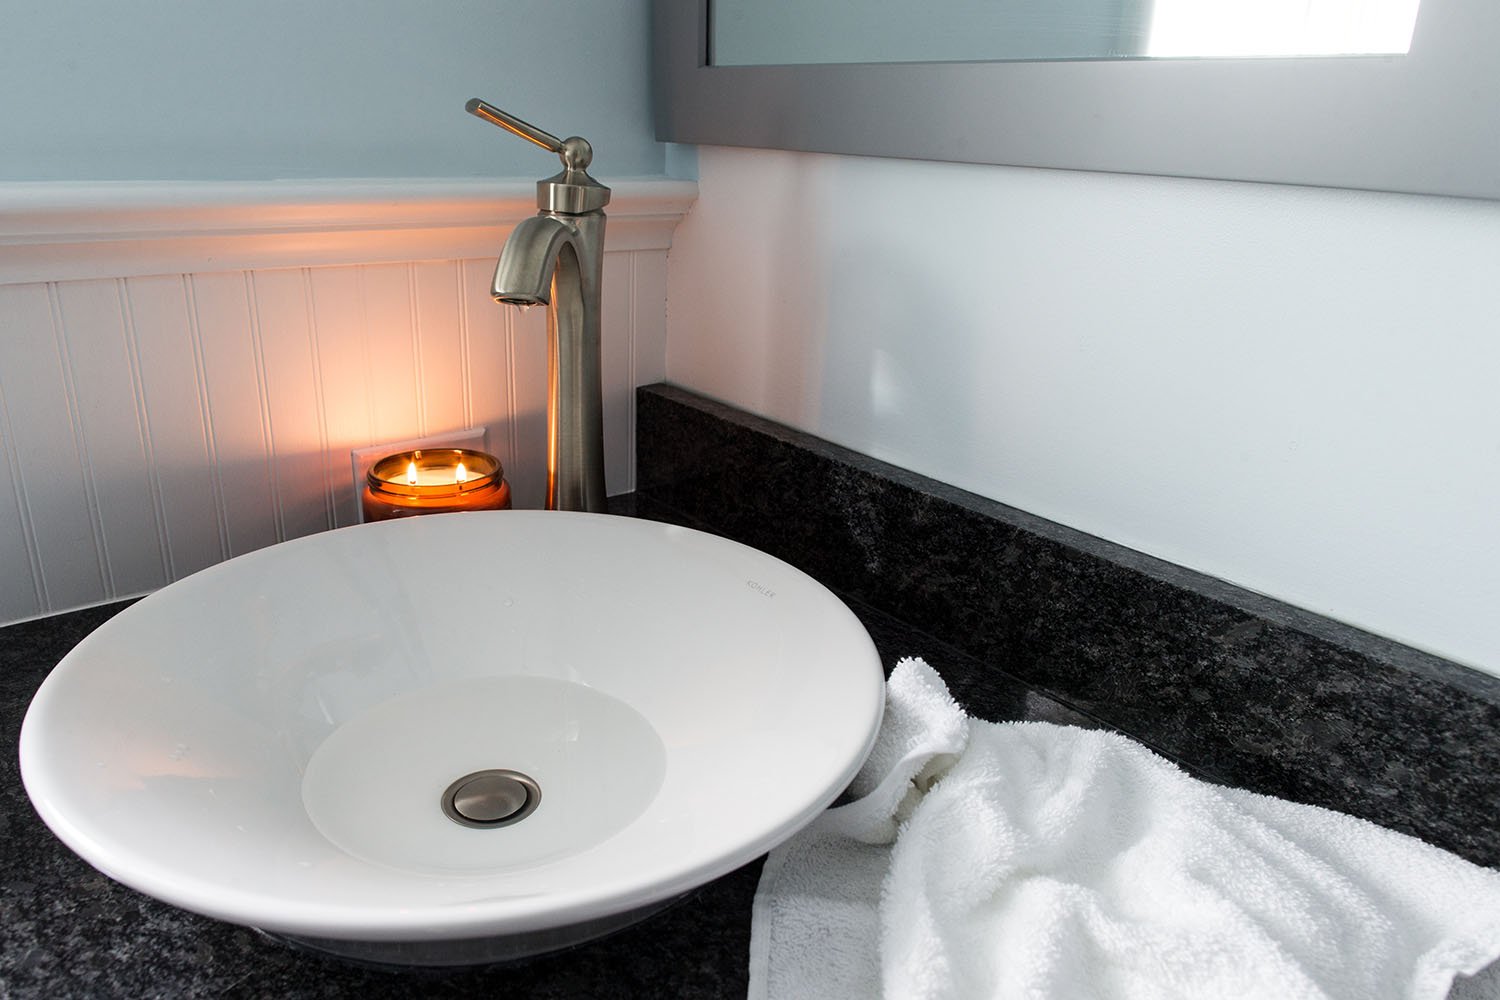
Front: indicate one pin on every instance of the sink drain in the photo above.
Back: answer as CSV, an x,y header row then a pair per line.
x,y
491,798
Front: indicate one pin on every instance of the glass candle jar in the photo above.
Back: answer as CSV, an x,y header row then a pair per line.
x,y
434,481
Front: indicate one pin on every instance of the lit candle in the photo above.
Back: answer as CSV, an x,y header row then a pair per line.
x,y
434,482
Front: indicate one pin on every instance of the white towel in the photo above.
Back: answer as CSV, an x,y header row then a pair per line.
x,y
1055,862
814,931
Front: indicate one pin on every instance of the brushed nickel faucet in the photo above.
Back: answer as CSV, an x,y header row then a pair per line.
x,y
557,258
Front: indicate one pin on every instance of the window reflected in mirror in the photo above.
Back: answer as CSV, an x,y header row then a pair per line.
x,y
1228,28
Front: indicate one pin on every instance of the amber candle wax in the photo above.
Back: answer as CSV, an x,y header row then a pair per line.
x,y
434,481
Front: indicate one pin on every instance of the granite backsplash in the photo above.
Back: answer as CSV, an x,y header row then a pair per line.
x,y
1237,687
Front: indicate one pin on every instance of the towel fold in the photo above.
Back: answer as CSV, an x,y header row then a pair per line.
x,y
814,930
1032,860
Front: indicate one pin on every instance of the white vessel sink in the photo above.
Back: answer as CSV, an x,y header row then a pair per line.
x,y
270,741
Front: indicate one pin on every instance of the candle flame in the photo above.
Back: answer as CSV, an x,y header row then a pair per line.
x,y
461,474
411,473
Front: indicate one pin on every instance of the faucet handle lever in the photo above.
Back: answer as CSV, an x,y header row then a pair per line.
x,y
572,192
575,151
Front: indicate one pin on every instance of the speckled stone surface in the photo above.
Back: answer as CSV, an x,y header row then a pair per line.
x,y
67,931
1243,689
1023,618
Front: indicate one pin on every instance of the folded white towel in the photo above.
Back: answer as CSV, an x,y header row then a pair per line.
x,y
814,931
921,735
1051,861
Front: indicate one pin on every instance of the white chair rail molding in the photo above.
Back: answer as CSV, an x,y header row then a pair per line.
x,y
186,366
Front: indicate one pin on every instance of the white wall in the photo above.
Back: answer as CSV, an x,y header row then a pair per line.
x,y
177,396
208,90
1292,389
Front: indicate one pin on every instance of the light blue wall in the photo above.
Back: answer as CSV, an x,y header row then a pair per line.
x,y
211,90
776,32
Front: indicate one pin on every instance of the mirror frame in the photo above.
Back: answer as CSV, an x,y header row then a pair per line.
x,y
1425,123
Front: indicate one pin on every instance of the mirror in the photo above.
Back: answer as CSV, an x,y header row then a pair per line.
x,y
1425,121
803,32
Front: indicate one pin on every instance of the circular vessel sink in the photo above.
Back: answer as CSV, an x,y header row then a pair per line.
x,y
458,738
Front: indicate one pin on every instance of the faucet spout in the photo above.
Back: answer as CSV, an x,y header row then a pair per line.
x,y
559,260
523,276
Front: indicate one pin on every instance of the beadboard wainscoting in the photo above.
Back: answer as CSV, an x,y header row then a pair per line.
x,y
184,370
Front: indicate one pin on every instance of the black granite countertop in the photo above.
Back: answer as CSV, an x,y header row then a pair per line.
x,y
68,931
1024,619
